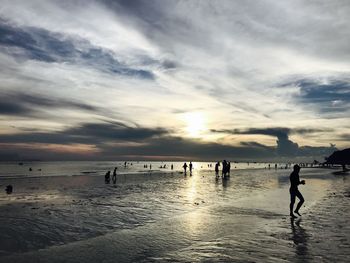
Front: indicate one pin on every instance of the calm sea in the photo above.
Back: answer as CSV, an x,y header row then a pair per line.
x,y
72,168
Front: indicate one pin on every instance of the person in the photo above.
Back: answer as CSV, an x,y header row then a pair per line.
x,y
114,178
172,167
108,177
217,169
228,169
185,167
9,189
224,168
294,191
191,167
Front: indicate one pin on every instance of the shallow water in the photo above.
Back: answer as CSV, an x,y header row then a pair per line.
x,y
172,217
66,168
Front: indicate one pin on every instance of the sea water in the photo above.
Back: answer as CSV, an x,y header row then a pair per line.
x,y
72,168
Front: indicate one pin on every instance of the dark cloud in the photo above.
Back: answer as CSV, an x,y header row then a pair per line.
x,y
25,104
275,131
43,45
145,143
115,132
285,147
169,147
330,97
316,92
168,64
345,136
256,145
10,108
88,133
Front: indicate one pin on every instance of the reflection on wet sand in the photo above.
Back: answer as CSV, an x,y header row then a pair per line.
x,y
299,237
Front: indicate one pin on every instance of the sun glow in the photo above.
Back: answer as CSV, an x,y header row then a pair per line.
x,y
195,123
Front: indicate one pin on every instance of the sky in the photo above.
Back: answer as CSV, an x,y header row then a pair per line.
x,y
174,80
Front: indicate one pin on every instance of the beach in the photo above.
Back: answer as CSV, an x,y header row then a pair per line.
x,y
165,216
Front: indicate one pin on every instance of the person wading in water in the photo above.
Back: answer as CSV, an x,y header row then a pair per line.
x,y
294,191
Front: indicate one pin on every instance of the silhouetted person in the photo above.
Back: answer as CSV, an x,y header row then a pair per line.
x,y
9,189
228,168
294,192
108,177
172,167
224,168
217,169
30,169
269,166
114,178
185,167
275,165
191,167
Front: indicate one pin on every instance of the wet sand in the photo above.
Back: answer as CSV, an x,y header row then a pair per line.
x,y
173,218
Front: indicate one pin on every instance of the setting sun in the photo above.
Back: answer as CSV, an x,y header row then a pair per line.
x,y
195,123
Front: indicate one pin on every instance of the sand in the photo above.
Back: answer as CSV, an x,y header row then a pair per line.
x,y
169,217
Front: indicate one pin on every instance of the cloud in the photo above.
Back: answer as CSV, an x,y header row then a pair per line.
x,y
329,95
119,141
87,133
285,147
256,145
274,131
176,147
43,45
26,104
345,136
115,132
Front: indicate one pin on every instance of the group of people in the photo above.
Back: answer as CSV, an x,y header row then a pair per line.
x,y
114,177
226,169
164,166
190,167
146,166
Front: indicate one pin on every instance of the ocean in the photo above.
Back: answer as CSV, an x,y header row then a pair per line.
x,y
73,168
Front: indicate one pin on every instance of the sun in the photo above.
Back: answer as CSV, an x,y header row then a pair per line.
x,y
195,123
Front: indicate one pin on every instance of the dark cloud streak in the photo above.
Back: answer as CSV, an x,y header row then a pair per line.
x,y
25,104
88,133
42,45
